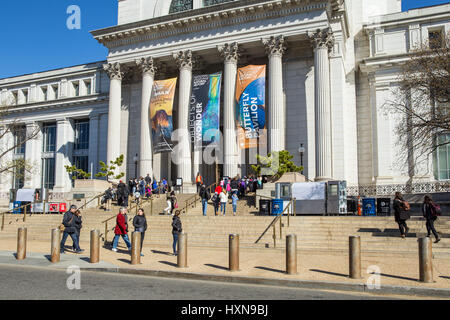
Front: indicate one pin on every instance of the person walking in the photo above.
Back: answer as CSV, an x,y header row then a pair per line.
x,y
199,181
401,208
78,224
173,200
140,225
148,180
121,229
216,202
430,212
169,205
205,196
223,201
177,228
70,230
234,200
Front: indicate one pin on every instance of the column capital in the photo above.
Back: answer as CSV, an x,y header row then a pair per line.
x,y
184,59
275,46
322,38
147,65
229,52
114,71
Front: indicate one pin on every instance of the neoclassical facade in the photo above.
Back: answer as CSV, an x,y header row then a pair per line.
x,y
330,67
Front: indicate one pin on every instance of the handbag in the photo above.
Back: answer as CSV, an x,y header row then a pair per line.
x,y
62,227
176,205
407,205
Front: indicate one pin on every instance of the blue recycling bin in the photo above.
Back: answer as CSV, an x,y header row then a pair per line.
x,y
17,207
369,207
277,207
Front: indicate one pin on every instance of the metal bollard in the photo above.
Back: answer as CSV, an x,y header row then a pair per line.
x,y
56,246
182,251
355,257
425,260
234,252
291,254
136,248
95,246
22,243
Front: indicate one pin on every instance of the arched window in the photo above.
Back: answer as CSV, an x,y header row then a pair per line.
x,y
181,5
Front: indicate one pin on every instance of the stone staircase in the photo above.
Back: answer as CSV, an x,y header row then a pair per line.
x,y
379,235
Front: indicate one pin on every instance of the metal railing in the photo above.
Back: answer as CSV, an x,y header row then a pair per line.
x,y
192,201
24,207
277,219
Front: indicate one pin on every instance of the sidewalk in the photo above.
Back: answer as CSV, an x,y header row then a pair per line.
x,y
259,266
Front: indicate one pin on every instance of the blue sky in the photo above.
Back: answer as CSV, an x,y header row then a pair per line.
x,y
35,37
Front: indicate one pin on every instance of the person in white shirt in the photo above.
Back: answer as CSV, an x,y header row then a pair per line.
x,y
223,201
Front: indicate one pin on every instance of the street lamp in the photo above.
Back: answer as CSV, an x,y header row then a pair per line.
x,y
301,150
135,159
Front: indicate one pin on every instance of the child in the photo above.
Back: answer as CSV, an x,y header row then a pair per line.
x,y
234,200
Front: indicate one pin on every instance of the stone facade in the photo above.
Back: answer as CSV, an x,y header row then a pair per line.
x,y
331,65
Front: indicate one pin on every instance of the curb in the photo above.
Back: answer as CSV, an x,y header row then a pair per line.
x,y
303,284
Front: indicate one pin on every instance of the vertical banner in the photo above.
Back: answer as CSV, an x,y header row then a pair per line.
x,y
204,111
161,110
251,103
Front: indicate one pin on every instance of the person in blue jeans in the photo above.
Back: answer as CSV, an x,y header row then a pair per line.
x,y
205,196
234,200
69,222
223,201
121,229
176,230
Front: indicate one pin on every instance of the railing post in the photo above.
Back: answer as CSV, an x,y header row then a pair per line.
x,y
136,248
234,252
281,227
182,251
106,233
56,246
25,214
291,254
95,247
43,207
3,221
22,243
425,260
274,237
355,257
151,206
186,202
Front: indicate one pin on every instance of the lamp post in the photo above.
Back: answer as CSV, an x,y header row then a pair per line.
x,y
301,150
135,159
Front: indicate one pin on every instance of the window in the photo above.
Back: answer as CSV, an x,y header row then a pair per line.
x,y
88,87
442,158
49,132
18,175
44,93
81,162
82,134
76,89
48,169
25,96
56,92
435,39
180,5
19,140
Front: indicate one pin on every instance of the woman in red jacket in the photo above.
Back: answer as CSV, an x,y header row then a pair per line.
x,y
121,229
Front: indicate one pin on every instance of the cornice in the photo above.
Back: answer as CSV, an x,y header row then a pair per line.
x,y
203,19
383,62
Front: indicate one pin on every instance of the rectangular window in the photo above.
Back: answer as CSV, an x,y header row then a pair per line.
x,y
76,89
44,93
436,39
49,132
88,87
18,176
81,162
82,135
19,140
56,92
48,169
442,158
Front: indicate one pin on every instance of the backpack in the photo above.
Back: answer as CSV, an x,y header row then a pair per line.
x,y
435,210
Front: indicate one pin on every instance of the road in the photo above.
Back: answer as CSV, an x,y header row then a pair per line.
x,y
31,283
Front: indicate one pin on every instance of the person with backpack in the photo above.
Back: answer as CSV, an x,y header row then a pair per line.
x,y
205,196
430,212
140,225
69,225
199,181
216,202
401,208
78,224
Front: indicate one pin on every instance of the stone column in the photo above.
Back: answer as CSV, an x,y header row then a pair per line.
x,y
93,143
146,149
115,102
275,48
33,149
63,156
183,149
230,54
323,42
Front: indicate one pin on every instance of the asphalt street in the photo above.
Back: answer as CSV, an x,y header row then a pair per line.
x,y
31,283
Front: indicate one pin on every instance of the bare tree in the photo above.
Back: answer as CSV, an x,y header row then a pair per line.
x,y
422,99
18,166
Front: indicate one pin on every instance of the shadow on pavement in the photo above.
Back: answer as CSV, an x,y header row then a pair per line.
x,y
168,263
397,277
162,252
215,266
270,269
331,273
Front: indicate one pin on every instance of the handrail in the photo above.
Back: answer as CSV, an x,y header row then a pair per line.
x,y
9,211
95,197
187,204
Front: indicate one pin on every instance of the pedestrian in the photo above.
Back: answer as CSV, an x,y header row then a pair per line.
x,y
140,225
205,196
169,204
430,212
173,200
78,224
242,188
176,230
155,186
121,229
70,230
234,200
401,208
216,202
148,180
142,187
218,189
234,184
199,181
137,196
223,201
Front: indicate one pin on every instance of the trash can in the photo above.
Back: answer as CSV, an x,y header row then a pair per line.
x,y
17,207
265,206
369,206
384,207
277,207
352,205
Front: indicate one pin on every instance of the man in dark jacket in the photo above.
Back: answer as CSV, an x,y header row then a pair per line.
x,y
401,214
78,224
176,230
205,196
70,230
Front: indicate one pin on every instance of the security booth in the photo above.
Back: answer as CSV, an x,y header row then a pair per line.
x,y
310,197
337,197
24,197
283,191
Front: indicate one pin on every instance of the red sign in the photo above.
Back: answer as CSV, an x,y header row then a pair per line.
x,y
53,207
62,207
